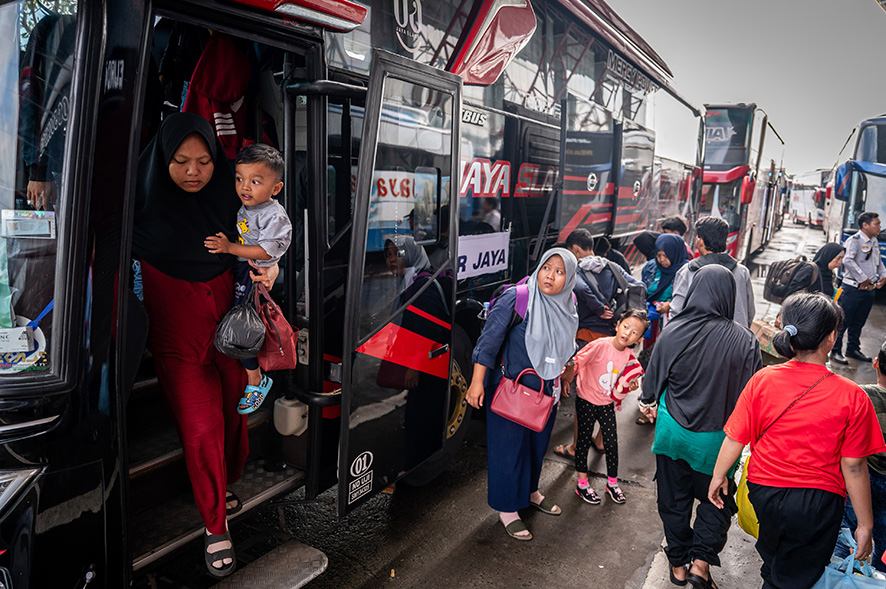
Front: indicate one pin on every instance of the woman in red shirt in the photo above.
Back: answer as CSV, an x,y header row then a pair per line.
x,y
810,432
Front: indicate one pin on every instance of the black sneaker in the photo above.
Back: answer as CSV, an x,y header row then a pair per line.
x,y
588,494
615,493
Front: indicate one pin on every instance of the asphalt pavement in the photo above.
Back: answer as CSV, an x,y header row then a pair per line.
x,y
445,535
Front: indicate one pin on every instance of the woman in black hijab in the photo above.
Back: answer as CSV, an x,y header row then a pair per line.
x,y
815,276
186,192
699,366
828,259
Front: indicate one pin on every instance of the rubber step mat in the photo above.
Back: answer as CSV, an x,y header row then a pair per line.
x,y
160,531
288,566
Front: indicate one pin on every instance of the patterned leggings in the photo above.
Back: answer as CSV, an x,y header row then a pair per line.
x,y
588,414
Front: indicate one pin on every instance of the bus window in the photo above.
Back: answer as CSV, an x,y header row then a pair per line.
x,y
413,154
722,200
872,145
37,44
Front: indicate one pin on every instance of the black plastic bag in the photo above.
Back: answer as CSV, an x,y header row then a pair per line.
x,y
240,333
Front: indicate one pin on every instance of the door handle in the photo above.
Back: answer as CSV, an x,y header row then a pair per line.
x,y
438,352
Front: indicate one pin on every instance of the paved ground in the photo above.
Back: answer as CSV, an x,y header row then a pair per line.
x,y
444,534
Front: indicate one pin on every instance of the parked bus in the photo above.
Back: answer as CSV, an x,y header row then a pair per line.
x,y
807,197
400,119
859,184
744,181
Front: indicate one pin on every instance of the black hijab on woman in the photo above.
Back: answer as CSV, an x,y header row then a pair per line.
x,y
703,358
822,258
170,223
645,244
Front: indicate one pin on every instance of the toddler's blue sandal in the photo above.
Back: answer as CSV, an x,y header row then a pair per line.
x,y
254,396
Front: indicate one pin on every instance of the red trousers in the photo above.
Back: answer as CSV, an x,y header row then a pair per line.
x,y
201,385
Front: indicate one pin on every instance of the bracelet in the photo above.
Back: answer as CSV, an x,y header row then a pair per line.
x,y
644,406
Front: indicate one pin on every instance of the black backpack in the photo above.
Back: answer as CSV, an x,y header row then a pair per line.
x,y
626,296
780,275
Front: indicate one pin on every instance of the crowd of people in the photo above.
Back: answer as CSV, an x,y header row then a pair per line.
x,y
812,434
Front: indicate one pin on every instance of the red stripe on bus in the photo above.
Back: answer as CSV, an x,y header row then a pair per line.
x,y
575,221
406,348
428,316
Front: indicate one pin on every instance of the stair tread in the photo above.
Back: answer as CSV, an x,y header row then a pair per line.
x,y
288,566
161,530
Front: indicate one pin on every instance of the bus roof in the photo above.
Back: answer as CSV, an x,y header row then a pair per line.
x,y
607,24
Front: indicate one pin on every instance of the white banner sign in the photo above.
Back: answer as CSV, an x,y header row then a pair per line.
x,y
482,254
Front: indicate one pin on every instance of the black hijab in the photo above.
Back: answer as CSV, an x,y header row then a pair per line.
x,y
822,258
703,358
171,224
645,244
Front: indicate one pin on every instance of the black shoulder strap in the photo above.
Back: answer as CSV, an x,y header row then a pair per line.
x,y
619,277
794,402
591,281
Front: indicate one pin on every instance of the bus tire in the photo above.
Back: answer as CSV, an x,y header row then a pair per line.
x,y
459,412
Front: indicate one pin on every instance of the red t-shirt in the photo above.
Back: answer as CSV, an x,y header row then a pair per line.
x,y
803,448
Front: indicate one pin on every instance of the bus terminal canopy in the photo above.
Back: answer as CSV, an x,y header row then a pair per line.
x,y
844,175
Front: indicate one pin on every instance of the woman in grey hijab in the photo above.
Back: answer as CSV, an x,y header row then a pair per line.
x,y
544,341
405,259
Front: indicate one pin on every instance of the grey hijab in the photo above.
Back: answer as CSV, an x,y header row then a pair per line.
x,y
414,257
551,321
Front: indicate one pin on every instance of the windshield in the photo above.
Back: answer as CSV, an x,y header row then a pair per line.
x,y
727,135
722,200
872,144
868,193
37,45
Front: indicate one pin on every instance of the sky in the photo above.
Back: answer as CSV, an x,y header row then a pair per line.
x,y
816,67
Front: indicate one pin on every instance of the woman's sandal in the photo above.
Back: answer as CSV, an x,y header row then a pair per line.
x,y
220,555
699,582
547,506
254,396
561,450
232,503
518,526
675,580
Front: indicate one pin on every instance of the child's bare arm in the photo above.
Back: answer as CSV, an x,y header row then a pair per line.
x,y
219,244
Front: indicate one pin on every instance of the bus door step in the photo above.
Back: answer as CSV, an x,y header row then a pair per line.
x,y
288,566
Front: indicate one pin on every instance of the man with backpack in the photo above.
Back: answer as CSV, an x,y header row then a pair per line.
x,y
711,244
596,286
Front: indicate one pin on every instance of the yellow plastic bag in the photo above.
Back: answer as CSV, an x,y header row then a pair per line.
x,y
747,517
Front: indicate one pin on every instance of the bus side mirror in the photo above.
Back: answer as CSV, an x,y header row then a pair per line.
x,y
747,190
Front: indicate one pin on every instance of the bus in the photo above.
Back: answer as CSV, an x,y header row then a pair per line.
x,y
397,120
859,184
808,197
744,179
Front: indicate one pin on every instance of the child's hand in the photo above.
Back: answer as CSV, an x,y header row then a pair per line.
x,y
217,244
635,384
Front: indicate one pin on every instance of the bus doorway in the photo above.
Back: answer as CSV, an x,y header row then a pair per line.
x,y
212,68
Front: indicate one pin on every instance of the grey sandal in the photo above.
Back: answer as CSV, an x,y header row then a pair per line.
x,y
232,503
217,557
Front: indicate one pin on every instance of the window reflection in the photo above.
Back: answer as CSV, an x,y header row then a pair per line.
x,y
37,46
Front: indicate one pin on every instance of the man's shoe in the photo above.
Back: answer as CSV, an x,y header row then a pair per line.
x,y
858,355
838,358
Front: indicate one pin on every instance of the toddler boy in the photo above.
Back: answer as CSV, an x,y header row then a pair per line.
x,y
265,233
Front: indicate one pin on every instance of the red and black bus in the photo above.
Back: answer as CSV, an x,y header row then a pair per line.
x,y
744,180
402,117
